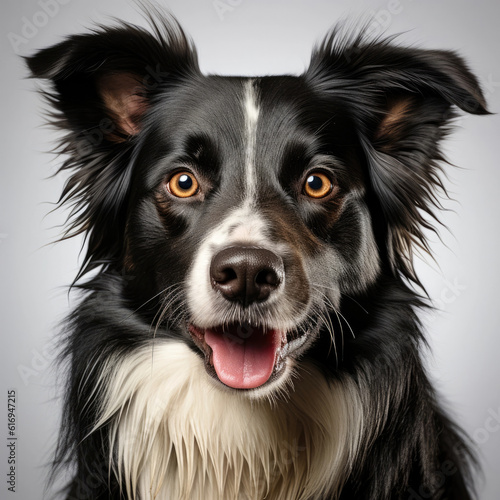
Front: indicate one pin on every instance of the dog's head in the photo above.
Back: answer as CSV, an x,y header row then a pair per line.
x,y
239,211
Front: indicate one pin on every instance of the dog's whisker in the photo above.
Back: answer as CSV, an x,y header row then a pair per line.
x,y
167,310
135,311
161,313
355,301
338,314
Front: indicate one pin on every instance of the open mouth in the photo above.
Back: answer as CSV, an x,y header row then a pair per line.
x,y
243,356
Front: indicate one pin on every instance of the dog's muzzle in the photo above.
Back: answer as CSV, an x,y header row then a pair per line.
x,y
244,356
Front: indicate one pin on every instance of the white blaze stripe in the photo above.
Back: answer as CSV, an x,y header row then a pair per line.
x,y
251,111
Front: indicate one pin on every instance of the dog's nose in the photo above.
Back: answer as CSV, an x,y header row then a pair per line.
x,y
246,274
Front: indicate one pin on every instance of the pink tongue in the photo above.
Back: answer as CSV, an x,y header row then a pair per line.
x,y
243,357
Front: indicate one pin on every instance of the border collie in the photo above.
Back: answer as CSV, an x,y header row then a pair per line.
x,y
248,327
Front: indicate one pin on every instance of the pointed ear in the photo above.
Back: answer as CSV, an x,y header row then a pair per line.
x,y
403,100
111,74
404,153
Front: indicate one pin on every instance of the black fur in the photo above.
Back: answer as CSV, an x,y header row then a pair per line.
x,y
374,110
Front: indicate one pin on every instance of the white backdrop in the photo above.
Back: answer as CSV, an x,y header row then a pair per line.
x,y
246,37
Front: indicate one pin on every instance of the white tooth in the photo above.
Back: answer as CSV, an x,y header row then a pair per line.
x,y
295,344
284,351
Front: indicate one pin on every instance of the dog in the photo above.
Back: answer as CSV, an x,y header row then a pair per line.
x,y
248,326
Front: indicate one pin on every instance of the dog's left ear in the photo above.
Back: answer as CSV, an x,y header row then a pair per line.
x,y
402,100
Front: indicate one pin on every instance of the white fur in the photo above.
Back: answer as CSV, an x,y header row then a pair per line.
x,y
175,434
251,110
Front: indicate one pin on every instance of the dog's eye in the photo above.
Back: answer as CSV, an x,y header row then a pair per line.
x,y
183,185
318,185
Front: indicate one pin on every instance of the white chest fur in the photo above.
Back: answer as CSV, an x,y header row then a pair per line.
x,y
177,436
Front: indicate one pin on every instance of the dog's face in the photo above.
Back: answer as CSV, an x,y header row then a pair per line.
x,y
248,201
239,211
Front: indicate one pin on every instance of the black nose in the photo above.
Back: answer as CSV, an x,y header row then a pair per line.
x,y
246,274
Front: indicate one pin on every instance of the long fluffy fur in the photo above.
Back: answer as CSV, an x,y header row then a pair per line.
x,y
173,442
358,417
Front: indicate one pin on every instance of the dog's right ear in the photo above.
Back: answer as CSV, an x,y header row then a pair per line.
x,y
102,85
102,82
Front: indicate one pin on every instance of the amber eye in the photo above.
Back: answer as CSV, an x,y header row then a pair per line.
x,y
183,185
318,185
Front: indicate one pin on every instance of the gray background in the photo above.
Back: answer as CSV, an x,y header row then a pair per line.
x,y
249,37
